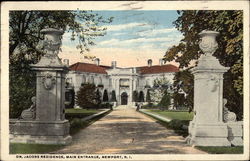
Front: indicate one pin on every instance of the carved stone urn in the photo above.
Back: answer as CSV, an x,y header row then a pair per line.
x,y
50,46
52,41
208,42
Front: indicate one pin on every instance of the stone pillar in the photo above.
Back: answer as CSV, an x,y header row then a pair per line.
x,y
49,125
130,91
117,91
207,128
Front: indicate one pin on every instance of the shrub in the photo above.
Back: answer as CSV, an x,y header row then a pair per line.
x,y
177,125
141,96
98,100
105,96
148,98
106,105
86,96
113,96
135,96
165,101
76,124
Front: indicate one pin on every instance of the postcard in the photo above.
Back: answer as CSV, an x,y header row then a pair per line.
x,y
125,80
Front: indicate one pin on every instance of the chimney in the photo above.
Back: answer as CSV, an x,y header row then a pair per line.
x,y
150,62
97,61
161,61
113,64
134,70
66,62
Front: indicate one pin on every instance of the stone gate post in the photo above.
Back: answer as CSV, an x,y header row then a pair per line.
x,y
48,126
207,128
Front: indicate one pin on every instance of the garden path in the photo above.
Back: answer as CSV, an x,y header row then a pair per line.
x,y
126,131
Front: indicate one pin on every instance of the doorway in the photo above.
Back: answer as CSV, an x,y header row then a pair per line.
x,y
124,98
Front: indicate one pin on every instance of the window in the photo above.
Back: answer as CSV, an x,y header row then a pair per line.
x,y
124,82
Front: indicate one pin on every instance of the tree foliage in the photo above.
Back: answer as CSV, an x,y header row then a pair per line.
x,y
230,52
86,96
161,85
184,81
24,35
22,87
98,96
165,101
25,27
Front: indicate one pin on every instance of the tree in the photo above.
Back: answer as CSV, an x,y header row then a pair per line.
x,y
86,96
24,35
22,87
105,96
184,80
141,96
135,96
25,27
230,52
159,88
98,96
165,101
113,96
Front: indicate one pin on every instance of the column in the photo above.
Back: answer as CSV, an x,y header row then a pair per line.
x,y
130,91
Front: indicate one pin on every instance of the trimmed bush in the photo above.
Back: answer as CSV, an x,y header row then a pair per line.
x,y
135,96
141,96
105,96
165,101
86,96
113,96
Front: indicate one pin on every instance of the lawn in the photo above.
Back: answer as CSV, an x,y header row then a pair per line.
x,y
222,150
178,115
76,124
80,112
19,148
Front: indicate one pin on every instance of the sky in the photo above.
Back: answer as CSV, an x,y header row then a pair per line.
x,y
131,39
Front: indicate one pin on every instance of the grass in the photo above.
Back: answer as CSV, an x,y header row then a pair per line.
x,y
20,148
76,124
82,112
222,150
178,115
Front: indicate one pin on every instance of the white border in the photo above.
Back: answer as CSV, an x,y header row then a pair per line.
x,y
114,5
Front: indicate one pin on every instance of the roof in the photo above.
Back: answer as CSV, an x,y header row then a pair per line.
x,y
86,67
93,68
158,69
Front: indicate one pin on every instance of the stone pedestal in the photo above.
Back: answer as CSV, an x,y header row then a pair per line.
x,y
235,133
39,132
207,128
49,125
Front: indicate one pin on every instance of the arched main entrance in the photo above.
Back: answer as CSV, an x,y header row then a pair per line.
x,y
124,98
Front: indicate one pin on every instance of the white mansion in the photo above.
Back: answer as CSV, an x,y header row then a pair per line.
x,y
123,80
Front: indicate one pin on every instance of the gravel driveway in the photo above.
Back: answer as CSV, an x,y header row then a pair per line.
x,y
125,131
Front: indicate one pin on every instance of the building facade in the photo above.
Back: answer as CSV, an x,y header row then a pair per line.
x,y
122,80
